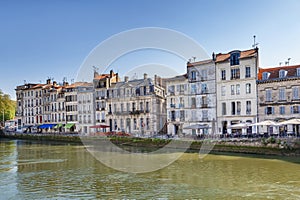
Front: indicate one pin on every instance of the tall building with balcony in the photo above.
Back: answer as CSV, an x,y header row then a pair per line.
x,y
136,106
279,97
86,108
236,75
101,84
191,100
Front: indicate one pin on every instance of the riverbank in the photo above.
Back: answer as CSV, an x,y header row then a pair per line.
x,y
269,146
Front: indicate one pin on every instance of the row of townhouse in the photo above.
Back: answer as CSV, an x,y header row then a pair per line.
x,y
211,97
134,106
230,89
214,94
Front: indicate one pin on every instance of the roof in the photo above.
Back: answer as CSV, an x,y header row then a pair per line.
x,y
182,77
202,62
102,76
274,71
244,54
133,83
77,84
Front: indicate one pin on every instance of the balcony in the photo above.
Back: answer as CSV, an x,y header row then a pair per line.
x,y
102,120
205,119
109,113
248,112
204,105
173,119
102,108
135,112
172,105
181,105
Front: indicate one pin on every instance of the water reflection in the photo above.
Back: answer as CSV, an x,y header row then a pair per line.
x,y
32,170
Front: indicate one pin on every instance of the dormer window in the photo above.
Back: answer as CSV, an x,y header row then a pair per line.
x,y
235,58
193,75
298,71
265,75
282,73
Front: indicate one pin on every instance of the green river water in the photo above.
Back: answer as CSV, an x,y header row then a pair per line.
x,y
48,170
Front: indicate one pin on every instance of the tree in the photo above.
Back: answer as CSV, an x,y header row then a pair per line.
x,y
7,106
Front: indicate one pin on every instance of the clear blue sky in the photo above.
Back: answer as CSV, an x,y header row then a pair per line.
x,y
41,39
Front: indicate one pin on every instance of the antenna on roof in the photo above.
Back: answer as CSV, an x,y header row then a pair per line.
x,y
288,62
194,58
95,68
254,42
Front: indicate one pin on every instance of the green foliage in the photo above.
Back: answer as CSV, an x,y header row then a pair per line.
x,y
7,106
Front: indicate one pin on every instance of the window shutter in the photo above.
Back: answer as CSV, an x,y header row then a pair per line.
x,y
272,110
266,110
291,109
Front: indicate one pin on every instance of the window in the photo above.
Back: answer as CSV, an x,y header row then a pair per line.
x,y
232,89
248,72
181,102
193,102
282,110
142,125
128,107
141,106
238,89
265,75
223,108
133,107
295,109
148,123
269,110
295,93
147,107
248,107
282,94
182,115
204,88
122,107
282,73
193,75
268,95
238,108
232,108
193,89
223,90
248,88
298,71
235,58
235,73
223,74
134,124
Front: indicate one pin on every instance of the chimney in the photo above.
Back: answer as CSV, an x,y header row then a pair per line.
x,y
111,72
117,77
213,56
126,79
145,76
96,74
65,83
48,81
54,83
155,79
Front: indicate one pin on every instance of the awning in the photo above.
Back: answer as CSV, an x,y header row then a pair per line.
x,y
58,126
69,125
197,126
47,126
100,126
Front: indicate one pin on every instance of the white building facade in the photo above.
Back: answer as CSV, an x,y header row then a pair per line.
x,y
236,75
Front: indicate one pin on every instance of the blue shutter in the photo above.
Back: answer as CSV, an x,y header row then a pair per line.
x,y
291,109
272,110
